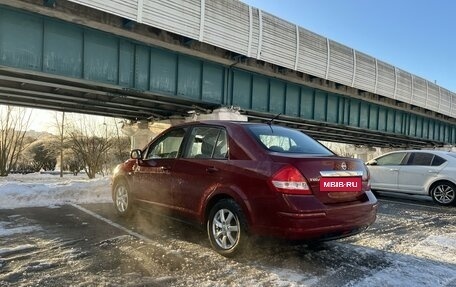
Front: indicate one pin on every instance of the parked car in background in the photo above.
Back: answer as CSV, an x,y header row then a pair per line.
x,y
238,179
423,172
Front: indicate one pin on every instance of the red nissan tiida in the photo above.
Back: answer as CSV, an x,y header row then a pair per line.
x,y
239,179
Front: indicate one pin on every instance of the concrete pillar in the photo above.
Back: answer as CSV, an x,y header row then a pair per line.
x,y
223,114
142,132
364,153
449,148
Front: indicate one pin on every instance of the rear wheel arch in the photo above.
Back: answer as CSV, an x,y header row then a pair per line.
x,y
221,195
213,201
437,182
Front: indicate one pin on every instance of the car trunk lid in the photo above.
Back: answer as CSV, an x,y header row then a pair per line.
x,y
333,179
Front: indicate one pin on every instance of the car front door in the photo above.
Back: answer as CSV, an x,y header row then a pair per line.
x,y
155,170
385,171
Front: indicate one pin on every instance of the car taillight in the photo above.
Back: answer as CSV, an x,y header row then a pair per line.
x,y
366,177
290,180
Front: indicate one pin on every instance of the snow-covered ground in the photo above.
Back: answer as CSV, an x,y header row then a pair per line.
x,y
409,245
17,190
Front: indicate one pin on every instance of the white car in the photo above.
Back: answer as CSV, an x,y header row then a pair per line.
x,y
424,172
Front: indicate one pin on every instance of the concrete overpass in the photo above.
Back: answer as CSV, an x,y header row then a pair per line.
x,y
152,59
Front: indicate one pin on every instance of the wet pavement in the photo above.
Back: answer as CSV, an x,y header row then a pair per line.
x,y
411,243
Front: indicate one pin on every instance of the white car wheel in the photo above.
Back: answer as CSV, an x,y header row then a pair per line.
x,y
444,193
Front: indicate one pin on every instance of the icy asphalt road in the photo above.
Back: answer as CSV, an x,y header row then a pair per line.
x,y
412,243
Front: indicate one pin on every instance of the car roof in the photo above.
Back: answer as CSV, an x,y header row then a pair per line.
x,y
222,123
424,150
437,152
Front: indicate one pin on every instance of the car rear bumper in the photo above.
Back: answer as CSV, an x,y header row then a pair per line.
x,y
328,224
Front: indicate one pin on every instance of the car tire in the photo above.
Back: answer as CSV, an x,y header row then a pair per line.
x,y
444,193
122,199
227,228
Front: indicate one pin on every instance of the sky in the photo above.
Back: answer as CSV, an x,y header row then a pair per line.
x,y
414,35
46,120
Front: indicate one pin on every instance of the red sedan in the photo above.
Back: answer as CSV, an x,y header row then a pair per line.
x,y
239,179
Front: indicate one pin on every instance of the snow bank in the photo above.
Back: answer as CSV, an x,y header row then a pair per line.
x,y
46,190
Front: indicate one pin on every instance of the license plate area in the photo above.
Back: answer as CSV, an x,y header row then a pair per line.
x,y
340,184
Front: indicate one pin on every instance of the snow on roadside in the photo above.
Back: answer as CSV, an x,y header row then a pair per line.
x,y
37,189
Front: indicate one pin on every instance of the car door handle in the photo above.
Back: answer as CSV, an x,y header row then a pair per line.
x,y
432,171
212,169
394,169
165,168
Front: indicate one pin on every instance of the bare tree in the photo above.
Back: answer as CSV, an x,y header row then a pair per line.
x,y
13,126
341,149
72,162
59,125
89,140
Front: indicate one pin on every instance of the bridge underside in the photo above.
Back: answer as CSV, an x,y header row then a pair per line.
x,y
38,90
65,66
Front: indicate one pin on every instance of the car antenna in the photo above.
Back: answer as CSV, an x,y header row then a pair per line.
x,y
272,120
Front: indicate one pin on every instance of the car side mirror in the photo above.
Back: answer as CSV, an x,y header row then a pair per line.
x,y
371,162
136,154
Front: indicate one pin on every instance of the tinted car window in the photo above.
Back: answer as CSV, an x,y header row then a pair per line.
x,y
419,158
167,146
391,159
286,140
438,161
207,142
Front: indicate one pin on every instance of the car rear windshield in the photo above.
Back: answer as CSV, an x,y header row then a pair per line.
x,y
286,140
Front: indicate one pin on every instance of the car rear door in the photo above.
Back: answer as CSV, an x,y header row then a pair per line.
x,y
201,168
418,171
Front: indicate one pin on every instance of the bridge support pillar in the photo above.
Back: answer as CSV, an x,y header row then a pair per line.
x,y
142,132
224,114
363,153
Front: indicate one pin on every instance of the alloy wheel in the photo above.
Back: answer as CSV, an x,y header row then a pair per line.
x,y
121,198
444,194
226,229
